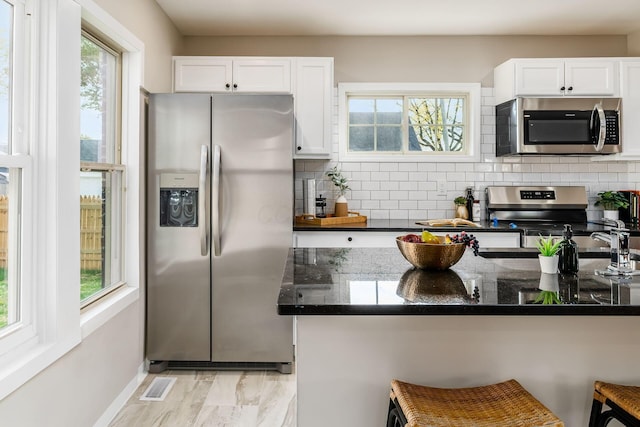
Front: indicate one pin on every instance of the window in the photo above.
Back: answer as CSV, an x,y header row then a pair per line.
x,y
101,176
13,312
409,122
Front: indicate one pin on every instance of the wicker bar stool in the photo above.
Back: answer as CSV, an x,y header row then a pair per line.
x,y
624,401
506,404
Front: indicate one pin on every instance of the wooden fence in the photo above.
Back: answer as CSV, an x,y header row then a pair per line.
x,y
4,226
90,232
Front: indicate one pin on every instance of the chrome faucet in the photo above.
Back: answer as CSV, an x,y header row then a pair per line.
x,y
618,240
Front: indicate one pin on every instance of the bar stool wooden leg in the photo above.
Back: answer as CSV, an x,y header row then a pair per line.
x,y
624,402
395,417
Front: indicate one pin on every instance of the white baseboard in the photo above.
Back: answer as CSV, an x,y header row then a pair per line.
x,y
122,398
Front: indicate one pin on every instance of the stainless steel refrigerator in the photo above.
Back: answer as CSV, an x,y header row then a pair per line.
x,y
219,226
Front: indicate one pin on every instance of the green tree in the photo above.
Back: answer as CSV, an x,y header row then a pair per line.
x,y
91,75
435,123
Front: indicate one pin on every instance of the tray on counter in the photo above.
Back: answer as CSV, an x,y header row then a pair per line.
x,y
332,220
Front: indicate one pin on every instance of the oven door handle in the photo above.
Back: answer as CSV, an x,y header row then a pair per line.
x,y
599,126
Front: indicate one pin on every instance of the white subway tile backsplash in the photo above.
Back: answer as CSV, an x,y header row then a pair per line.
x,y
408,204
399,195
398,176
390,185
380,195
411,185
409,190
388,204
389,167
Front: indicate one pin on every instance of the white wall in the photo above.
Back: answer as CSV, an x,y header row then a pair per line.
x,y
148,22
412,59
77,389
633,44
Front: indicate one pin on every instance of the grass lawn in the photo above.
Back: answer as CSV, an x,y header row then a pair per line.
x,y
90,283
4,295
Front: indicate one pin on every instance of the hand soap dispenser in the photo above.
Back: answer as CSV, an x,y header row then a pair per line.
x,y
568,259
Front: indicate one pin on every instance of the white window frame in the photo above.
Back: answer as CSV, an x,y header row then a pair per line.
x,y
473,127
51,191
100,311
118,208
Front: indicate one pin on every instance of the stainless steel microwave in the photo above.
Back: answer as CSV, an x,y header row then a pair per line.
x,y
575,126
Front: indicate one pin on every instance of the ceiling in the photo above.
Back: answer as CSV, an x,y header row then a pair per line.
x,y
402,17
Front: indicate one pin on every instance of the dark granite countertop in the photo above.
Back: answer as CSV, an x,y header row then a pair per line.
x,y
379,281
581,229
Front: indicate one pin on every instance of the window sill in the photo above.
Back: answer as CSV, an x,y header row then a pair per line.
x,y
100,313
407,158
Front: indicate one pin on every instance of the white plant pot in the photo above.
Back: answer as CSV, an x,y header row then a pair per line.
x,y
549,282
548,264
611,214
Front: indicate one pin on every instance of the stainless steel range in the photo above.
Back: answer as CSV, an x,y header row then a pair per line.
x,y
543,210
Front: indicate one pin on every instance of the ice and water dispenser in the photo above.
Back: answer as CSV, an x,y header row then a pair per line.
x,y
179,200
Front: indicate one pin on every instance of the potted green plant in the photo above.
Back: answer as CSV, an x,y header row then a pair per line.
x,y
336,177
610,202
461,207
548,255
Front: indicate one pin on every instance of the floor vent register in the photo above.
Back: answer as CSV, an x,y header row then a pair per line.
x,y
158,389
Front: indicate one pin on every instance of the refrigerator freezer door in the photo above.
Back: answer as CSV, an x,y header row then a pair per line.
x,y
178,276
255,136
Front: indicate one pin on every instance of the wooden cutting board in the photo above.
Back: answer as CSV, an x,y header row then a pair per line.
x,y
455,222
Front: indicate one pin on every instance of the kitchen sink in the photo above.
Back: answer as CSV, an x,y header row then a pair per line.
x,y
526,258
590,253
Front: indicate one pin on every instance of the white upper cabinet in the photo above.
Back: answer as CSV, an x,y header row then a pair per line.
x,y
202,74
580,77
223,74
262,75
310,80
630,92
313,90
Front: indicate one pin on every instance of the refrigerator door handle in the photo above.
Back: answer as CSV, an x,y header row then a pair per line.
x,y
203,224
215,201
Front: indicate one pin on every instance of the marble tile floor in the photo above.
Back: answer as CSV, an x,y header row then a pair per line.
x,y
215,399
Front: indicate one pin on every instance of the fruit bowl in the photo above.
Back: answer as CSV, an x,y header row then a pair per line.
x,y
430,256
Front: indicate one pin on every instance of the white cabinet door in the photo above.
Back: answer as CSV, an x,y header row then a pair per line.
x,y
313,100
204,74
262,75
591,78
536,78
556,77
630,89
386,239
229,74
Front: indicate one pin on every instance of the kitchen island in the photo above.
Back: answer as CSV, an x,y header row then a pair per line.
x,y
365,316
